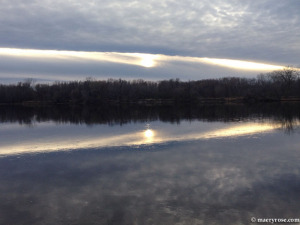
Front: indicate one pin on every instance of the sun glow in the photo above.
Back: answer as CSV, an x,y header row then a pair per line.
x,y
147,62
148,133
137,59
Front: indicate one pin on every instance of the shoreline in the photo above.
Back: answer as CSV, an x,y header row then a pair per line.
x,y
162,102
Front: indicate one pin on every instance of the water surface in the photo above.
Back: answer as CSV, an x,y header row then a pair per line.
x,y
142,165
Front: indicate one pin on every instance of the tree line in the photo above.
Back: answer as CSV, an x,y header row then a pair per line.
x,y
270,86
285,114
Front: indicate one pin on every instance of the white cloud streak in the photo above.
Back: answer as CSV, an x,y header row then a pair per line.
x,y
139,59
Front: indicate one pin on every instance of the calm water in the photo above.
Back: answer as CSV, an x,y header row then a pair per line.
x,y
140,165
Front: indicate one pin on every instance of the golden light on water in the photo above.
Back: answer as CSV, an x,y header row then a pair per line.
x,y
240,130
147,136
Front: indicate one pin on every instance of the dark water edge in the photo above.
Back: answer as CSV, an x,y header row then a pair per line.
x,y
125,113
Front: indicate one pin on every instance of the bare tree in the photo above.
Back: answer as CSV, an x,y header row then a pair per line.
x,y
285,78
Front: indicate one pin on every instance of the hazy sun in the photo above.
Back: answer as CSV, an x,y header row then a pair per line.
x,y
148,133
147,61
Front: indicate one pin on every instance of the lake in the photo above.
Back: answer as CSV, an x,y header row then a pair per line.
x,y
140,165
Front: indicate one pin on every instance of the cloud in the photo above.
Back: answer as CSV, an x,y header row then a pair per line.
x,y
68,65
245,30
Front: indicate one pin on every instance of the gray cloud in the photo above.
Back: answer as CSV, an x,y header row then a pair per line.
x,y
260,30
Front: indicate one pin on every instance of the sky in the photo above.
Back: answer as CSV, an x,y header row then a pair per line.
x,y
151,39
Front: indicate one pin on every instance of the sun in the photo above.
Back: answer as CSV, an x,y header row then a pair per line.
x,y
147,61
148,133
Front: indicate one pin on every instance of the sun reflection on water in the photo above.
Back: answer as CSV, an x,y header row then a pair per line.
x,y
145,136
148,133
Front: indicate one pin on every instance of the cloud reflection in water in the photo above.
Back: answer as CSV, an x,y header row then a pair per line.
x,y
207,182
85,137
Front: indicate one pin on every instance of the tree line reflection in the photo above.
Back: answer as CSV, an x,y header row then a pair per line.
x,y
285,114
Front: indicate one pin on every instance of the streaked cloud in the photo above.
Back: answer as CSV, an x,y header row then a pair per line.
x,y
240,64
114,57
151,61
218,29
252,31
